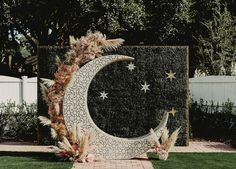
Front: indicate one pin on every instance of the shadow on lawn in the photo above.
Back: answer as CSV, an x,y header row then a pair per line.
x,y
49,157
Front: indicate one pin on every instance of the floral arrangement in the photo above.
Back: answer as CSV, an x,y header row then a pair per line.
x,y
167,142
72,145
79,149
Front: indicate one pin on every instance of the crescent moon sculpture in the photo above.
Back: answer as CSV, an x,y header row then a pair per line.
x,y
75,111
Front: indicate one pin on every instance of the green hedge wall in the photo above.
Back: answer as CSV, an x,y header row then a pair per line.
x,y
128,111
209,123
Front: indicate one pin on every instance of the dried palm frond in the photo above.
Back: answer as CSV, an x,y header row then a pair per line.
x,y
57,60
84,146
54,133
78,133
72,40
56,149
154,139
63,146
60,130
57,108
91,136
165,135
173,138
44,120
111,44
70,81
66,142
44,91
47,82
72,135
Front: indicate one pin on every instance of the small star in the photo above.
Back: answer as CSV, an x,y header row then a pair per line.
x,y
103,95
145,87
171,75
173,111
131,66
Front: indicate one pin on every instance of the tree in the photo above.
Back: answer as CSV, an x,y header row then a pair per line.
x,y
30,23
45,22
11,59
216,50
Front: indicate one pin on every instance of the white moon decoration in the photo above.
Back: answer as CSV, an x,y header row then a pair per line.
x,y
75,111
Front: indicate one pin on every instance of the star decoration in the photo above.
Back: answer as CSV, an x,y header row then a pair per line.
x,y
145,87
171,75
173,111
103,95
131,66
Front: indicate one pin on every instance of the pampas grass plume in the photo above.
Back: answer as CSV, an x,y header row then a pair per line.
x,y
44,120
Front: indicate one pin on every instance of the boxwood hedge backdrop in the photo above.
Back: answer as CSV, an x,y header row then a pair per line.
x,y
128,111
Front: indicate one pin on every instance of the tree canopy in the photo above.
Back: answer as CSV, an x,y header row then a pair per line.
x,y
25,24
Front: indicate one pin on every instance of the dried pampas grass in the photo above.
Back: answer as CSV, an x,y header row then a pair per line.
x,y
44,92
81,51
44,121
47,82
112,44
154,139
54,133
167,142
77,147
172,139
165,135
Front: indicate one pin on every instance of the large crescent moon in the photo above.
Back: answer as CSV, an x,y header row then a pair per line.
x,y
75,110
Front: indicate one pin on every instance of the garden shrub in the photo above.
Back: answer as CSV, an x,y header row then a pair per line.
x,y
211,121
18,121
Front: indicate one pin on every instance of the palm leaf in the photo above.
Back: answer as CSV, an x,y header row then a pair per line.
x,y
111,44
84,145
154,138
66,142
47,82
72,40
165,135
57,60
44,91
91,136
54,133
172,140
78,133
44,120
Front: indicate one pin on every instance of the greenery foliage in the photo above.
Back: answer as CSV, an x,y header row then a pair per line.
x,y
211,121
195,161
26,24
217,49
18,122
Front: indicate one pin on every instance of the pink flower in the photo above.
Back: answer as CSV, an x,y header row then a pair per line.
x,y
90,158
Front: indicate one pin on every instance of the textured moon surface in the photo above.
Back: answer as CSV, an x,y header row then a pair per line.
x,y
75,111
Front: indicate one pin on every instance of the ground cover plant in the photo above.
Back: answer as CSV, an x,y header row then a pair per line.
x,y
212,121
18,121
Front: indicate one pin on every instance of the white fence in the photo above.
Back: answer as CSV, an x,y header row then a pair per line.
x,y
216,88
18,90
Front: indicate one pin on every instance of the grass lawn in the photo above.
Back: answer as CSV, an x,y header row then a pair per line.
x,y
195,161
32,162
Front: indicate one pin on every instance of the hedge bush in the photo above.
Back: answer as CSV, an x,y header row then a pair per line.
x,y
18,121
211,121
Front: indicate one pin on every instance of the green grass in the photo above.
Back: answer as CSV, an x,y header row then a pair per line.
x,y
32,162
195,161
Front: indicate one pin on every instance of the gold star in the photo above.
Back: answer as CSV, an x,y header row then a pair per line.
x,y
173,111
171,75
